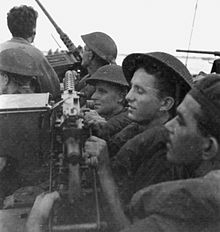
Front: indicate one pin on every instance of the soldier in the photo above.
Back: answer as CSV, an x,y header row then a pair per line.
x,y
166,83
185,205
100,49
110,114
16,78
193,141
22,25
20,151
159,82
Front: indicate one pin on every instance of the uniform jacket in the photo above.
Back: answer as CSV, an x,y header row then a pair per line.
x,y
119,139
114,124
142,161
190,205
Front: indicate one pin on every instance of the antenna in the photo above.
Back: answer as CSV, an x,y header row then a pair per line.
x,y
55,40
194,17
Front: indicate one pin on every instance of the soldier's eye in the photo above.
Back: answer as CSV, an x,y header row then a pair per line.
x,y
100,90
138,90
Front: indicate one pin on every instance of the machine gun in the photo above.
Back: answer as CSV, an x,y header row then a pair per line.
x,y
63,61
67,135
216,53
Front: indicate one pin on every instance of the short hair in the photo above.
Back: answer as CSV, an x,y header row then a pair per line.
x,y
122,91
166,82
21,21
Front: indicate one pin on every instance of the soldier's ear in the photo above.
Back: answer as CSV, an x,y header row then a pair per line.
x,y
5,78
91,55
210,148
166,103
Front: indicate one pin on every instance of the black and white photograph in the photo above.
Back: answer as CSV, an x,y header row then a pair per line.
x,y
109,116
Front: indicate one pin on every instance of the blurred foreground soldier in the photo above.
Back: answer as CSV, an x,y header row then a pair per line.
x,y
185,205
22,25
20,150
100,49
18,72
110,114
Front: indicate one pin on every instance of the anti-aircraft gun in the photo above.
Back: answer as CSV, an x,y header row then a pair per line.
x,y
65,60
216,64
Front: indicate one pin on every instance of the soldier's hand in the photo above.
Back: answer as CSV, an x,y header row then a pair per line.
x,y
72,146
96,152
92,118
42,207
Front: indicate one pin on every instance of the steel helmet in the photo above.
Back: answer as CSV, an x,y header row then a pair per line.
x,y
112,74
102,44
166,60
179,72
17,61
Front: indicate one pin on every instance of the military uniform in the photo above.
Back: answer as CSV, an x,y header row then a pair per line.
x,y
119,139
186,206
49,82
142,161
113,125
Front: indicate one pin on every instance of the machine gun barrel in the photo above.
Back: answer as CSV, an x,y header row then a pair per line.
x,y
64,37
216,53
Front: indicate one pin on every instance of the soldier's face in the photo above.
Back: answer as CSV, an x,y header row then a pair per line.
x,y
86,58
143,100
12,87
106,98
185,140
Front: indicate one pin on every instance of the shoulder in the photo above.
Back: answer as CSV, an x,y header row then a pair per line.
x,y
184,198
129,131
121,117
149,137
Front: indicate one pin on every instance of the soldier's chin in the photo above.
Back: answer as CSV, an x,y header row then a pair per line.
x,y
97,108
131,116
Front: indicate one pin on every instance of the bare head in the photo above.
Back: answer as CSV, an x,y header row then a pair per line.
x,y
22,21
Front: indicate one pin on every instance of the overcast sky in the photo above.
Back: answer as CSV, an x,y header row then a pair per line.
x,y
135,25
